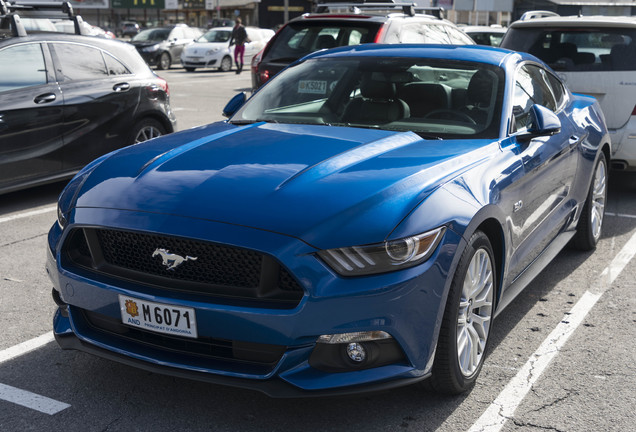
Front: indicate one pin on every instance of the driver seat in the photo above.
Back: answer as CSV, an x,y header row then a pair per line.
x,y
379,103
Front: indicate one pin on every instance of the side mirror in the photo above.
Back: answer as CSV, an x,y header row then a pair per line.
x,y
234,104
542,122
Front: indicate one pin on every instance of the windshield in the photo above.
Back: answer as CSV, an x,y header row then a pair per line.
x,y
299,39
152,35
438,98
216,36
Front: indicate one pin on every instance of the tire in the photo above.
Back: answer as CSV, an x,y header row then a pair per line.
x,y
465,329
144,130
164,61
226,64
588,230
189,69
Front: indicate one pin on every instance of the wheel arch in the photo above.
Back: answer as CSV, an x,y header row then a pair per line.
x,y
165,122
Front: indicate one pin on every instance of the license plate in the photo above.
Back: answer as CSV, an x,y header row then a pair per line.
x,y
196,59
158,317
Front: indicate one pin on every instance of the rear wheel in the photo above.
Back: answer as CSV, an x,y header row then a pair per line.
x,y
144,130
226,64
466,325
588,231
164,61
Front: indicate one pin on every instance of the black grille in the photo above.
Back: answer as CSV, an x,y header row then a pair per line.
x,y
204,347
213,264
207,268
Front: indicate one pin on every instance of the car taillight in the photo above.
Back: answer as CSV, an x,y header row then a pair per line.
x,y
380,34
264,76
257,59
164,85
634,111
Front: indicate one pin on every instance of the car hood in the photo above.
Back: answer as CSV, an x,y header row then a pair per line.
x,y
329,186
203,47
144,44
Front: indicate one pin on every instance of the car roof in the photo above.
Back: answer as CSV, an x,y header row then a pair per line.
x,y
475,53
577,21
483,29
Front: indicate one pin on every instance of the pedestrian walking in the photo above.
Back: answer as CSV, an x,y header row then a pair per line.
x,y
239,37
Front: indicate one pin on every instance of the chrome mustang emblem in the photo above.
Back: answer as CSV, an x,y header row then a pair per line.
x,y
170,260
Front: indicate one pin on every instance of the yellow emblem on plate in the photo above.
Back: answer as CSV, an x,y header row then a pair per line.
x,y
131,308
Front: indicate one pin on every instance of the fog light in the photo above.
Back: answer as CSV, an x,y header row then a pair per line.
x,y
356,352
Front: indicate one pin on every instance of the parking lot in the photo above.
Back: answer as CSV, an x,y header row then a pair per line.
x,y
562,355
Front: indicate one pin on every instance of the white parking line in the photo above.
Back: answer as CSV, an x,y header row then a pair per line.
x,y
503,408
623,215
23,397
28,214
31,400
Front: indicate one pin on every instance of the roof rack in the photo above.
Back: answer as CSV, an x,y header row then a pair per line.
x,y
537,14
10,15
354,7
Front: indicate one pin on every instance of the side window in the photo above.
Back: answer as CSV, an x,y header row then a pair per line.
x,y
354,37
523,99
458,37
557,90
177,33
297,39
79,62
21,66
412,33
434,34
114,66
542,87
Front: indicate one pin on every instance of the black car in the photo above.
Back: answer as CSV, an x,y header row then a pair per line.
x,y
341,24
162,46
67,99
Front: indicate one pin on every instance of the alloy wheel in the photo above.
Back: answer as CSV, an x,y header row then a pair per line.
x,y
475,312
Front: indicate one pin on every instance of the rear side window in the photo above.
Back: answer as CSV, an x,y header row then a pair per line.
x,y
299,39
21,66
114,66
79,62
589,49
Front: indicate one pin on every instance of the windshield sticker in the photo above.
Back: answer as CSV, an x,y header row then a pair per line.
x,y
313,87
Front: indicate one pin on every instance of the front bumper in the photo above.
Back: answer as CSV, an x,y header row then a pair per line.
x,y
200,62
406,304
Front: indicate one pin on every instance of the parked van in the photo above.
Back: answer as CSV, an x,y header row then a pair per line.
x,y
595,55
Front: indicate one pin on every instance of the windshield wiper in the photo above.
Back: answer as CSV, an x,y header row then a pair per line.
x,y
246,122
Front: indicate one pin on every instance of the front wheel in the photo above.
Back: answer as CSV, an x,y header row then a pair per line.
x,y
164,61
144,130
468,315
588,230
226,64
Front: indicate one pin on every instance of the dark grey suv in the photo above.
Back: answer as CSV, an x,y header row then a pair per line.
x,y
68,99
340,25
162,46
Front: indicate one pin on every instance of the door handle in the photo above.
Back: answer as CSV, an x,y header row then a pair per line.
x,y
44,98
121,87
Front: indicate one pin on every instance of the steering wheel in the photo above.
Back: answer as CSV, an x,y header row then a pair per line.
x,y
450,115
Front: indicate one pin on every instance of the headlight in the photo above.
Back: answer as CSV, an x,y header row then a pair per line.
x,y
383,257
61,218
212,51
151,48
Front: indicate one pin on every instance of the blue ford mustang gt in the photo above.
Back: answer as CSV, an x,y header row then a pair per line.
x,y
357,224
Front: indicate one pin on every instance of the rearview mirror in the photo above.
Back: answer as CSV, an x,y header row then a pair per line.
x,y
542,122
234,104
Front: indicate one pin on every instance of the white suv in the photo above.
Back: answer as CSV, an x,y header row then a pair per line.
x,y
594,55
